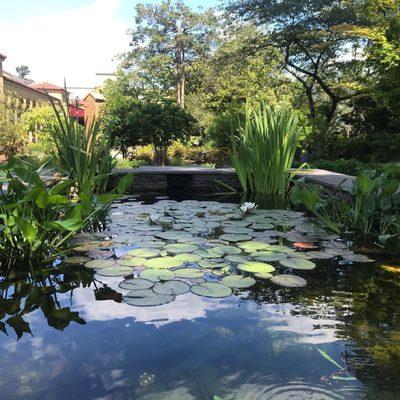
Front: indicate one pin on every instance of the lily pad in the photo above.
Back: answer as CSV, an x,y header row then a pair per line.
x,y
156,275
289,280
147,298
171,287
115,271
236,258
224,250
253,245
231,237
238,281
76,260
181,248
98,264
268,256
173,235
131,262
188,257
297,263
256,267
263,275
211,265
136,284
207,253
211,289
189,273
144,253
163,263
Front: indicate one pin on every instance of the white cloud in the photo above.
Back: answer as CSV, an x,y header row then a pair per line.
x,y
75,43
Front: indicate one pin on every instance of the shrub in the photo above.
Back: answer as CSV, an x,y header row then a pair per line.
x,y
143,153
11,138
37,123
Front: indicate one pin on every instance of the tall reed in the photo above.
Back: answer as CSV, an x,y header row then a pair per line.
x,y
84,151
263,148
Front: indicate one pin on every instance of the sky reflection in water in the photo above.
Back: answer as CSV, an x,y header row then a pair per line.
x,y
259,344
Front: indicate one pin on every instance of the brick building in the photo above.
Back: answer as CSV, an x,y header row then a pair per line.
x,y
93,103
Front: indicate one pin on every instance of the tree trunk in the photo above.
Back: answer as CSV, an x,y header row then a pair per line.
x,y
180,84
180,66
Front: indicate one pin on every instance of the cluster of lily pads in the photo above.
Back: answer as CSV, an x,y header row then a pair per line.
x,y
207,248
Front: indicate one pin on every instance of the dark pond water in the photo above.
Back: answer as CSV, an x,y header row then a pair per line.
x,y
71,336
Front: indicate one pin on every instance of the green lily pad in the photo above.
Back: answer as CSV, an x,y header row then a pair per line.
x,y
262,226
253,245
297,263
156,275
98,264
211,265
206,253
163,262
144,253
268,256
238,281
263,275
115,271
181,248
136,284
281,249
237,230
256,267
188,257
225,250
189,273
173,235
211,289
289,280
236,258
147,298
76,260
171,287
232,237
131,262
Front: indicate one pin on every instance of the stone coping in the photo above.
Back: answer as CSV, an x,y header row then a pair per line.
x,y
322,177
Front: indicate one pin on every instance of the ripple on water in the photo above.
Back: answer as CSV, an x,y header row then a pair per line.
x,y
265,387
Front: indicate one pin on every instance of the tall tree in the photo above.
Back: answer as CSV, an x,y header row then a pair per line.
x,y
23,71
167,37
322,57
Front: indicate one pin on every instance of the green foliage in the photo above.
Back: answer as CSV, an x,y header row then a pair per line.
x,y
370,213
84,152
263,149
37,122
132,122
35,219
317,54
11,139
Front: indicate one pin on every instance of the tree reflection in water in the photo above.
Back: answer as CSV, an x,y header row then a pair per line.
x,y
25,290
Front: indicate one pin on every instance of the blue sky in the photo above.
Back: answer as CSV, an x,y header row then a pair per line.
x,y
74,39
16,10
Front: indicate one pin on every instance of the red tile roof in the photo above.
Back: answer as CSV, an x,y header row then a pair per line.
x,y
47,86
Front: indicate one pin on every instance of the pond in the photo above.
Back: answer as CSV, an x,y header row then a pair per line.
x,y
190,299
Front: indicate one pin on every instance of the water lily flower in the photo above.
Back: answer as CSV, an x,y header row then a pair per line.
x,y
248,207
153,218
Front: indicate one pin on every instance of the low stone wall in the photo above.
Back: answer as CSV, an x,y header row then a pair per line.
x,y
203,180
164,179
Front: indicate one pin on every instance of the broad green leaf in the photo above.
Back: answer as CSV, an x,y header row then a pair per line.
x,y
27,228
